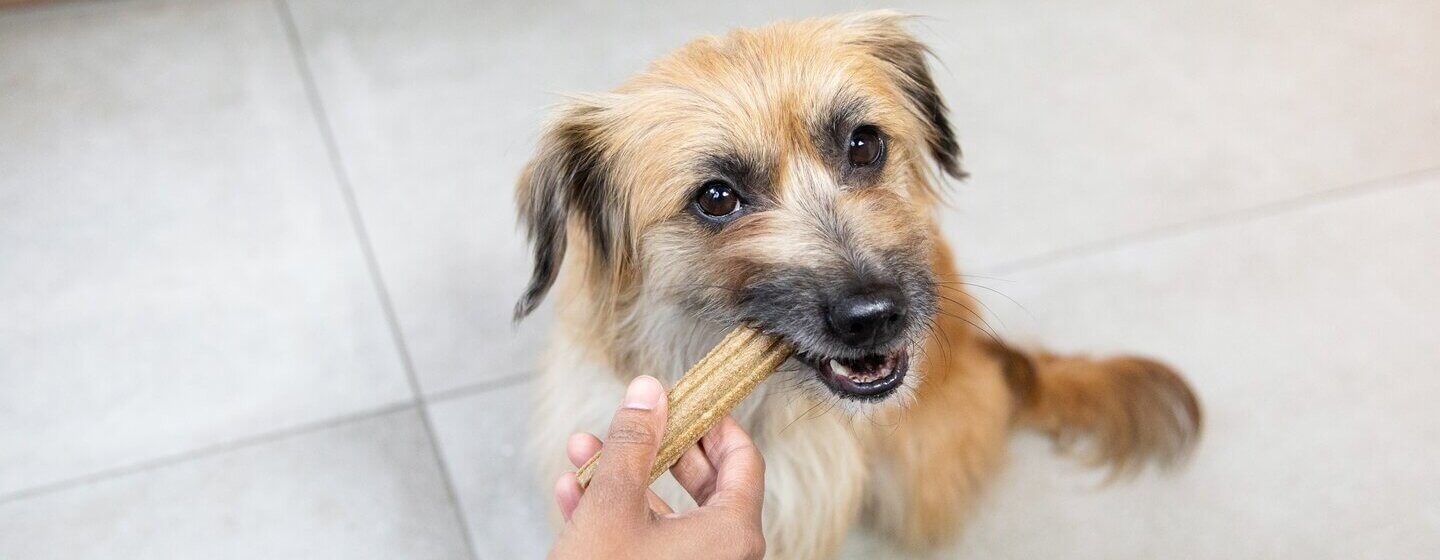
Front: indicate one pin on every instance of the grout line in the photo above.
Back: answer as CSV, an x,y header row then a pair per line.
x,y
47,7
1233,217
342,179
480,387
207,451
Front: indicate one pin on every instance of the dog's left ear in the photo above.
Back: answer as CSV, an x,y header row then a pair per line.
x,y
884,35
566,178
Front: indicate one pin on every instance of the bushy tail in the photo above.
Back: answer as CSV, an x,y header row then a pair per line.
x,y
1123,411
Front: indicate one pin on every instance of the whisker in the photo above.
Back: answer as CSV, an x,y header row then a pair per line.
x,y
959,275
977,315
933,329
797,418
988,288
991,312
993,338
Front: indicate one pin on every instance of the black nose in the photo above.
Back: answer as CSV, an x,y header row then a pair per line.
x,y
867,319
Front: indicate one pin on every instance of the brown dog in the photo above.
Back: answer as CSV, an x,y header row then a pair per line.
x,y
783,175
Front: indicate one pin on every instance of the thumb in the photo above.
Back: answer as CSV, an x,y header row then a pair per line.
x,y
622,474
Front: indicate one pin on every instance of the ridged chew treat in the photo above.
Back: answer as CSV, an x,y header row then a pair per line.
x,y
709,391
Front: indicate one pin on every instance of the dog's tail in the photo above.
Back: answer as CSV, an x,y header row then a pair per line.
x,y
1123,411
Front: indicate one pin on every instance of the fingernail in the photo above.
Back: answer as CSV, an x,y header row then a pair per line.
x,y
644,393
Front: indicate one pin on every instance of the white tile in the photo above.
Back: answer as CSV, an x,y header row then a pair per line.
x,y
366,489
177,268
483,438
1082,122
1310,336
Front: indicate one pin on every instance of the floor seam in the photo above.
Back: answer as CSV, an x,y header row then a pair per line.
x,y
1214,221
372,264
203,452
30,8
480,387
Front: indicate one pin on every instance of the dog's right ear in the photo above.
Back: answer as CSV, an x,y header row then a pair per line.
x,y
566,177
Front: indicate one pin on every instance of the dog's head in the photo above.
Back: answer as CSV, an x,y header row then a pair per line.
x,y
781,176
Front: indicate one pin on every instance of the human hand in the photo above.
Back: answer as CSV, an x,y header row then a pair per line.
x,y
618,516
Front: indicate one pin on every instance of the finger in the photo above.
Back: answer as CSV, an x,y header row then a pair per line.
x,y
657,505
581,447
739,469
567,494
622,473
695,473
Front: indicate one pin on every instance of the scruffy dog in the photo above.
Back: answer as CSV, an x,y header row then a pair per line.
x,y
785,176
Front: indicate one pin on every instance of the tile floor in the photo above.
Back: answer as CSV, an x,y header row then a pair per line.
x,y
257,259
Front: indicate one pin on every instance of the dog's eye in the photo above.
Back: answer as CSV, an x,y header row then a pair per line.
x,y
717,199
866,146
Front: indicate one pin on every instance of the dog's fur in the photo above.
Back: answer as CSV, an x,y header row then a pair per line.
x,y
643,285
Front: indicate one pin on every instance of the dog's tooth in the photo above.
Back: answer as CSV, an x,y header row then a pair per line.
x,y
839,368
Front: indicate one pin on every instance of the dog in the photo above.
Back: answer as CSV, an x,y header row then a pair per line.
x,y
789,176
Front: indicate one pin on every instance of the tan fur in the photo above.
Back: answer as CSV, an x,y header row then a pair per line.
x,y
657,289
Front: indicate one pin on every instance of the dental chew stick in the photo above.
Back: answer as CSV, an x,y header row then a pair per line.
x,y
709,391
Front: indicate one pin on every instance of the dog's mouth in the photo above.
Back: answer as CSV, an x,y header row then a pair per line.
x,y
867,378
